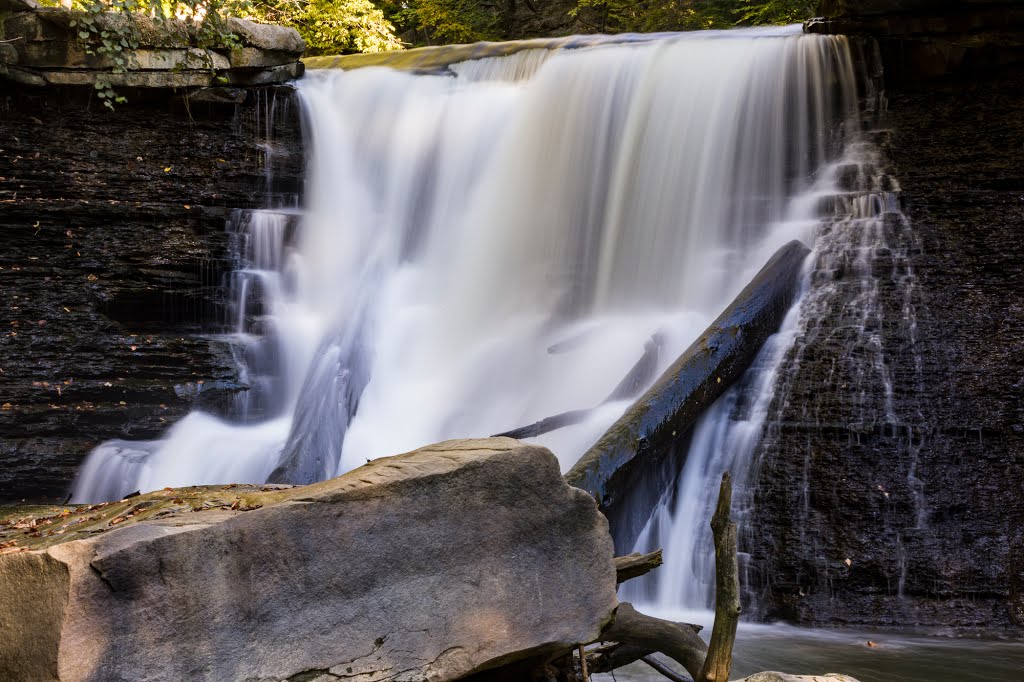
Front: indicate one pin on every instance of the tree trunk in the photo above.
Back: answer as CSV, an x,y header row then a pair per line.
x,y
727,590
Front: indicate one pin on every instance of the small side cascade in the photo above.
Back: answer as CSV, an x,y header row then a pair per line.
x,y
859,282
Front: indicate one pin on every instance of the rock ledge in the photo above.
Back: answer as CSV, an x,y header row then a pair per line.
x,y
42,47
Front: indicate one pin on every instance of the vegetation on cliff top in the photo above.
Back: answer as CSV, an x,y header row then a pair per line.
x,y
346,26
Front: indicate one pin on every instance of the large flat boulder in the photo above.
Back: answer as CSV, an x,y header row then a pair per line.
x,y
426,566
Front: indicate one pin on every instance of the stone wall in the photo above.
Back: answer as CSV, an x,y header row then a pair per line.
x,y
114,253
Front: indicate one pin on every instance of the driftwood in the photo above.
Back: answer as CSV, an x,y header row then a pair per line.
x,y
640,635
635,636
727,590
638,377
546,425
636,564
664,669
622,469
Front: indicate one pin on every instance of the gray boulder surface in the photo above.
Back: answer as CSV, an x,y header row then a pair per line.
x,y
430,565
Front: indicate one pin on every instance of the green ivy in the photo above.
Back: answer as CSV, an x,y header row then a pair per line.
x,y
110,29
328,26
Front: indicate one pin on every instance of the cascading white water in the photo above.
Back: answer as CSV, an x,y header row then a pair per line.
x,y
481,251
863,236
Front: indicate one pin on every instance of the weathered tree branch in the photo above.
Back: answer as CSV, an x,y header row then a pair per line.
x,y
638,377
635,565
640,635
664,669
727,590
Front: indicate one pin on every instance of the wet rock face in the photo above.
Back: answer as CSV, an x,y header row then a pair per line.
x,y
113,263
929,512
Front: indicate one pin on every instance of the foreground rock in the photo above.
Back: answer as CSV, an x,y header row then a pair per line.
x,y
426,566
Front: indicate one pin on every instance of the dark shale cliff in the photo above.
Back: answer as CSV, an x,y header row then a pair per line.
x,y
113,259
929,510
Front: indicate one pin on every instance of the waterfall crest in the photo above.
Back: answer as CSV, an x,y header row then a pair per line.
x,y
485,248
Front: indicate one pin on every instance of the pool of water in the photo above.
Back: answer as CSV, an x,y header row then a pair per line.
x,y
869,656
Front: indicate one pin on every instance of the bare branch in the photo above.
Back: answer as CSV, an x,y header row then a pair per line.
x,y
727,590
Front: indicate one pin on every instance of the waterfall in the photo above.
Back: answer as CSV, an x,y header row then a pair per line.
x,y
482,248
863,237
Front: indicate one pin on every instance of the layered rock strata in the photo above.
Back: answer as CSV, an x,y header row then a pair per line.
x,y
115,255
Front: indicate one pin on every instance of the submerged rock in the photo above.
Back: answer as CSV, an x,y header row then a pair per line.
x,y
425,566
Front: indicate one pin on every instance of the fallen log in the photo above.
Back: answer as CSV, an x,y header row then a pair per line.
x,y
626,470
636,379
546,425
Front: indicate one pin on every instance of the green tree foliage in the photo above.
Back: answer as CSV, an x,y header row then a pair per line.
x,y
618,16
435,22
760,12
327,26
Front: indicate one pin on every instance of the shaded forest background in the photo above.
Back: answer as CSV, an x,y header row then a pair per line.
x,y
346,26
334,26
